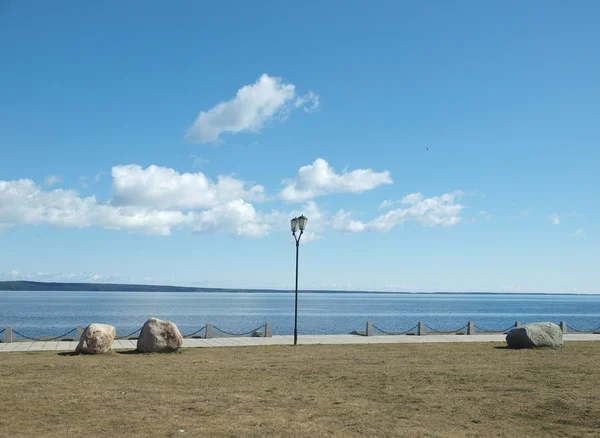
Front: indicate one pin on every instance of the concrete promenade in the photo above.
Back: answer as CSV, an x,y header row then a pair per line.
x,y
285,340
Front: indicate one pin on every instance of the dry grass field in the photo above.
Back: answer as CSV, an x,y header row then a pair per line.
x,y
428,390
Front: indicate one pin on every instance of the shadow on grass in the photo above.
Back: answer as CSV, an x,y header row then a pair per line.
x,y
129,352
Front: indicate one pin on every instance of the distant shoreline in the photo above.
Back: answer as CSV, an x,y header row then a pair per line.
x,y
32,286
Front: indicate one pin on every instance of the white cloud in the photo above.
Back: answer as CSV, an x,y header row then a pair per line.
x,y
159,200
580,233
554,218
252,107
387,204
52,180
428,212
166,188
310,102
83,182
23,202
236,218
320,178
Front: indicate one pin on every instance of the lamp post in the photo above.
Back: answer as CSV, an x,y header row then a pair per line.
x,y
297,222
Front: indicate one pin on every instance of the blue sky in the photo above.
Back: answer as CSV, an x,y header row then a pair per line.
x,y
155,143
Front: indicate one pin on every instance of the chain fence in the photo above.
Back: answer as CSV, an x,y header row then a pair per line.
x,y
43,338
129,335
195,333
238,334
431,329
485,330
573,329
395,333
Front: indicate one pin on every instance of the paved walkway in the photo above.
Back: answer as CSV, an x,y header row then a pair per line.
x,y
285,340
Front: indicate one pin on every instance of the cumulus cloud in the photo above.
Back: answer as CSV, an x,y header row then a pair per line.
x,y
158,200
320,178
251,108
236,218
23,202
440,210
580,233
165,188
554,218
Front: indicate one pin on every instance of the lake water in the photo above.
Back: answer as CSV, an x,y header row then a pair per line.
x,y
53,313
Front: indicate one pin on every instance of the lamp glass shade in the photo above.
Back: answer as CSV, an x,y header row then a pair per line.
x,y
294,225
302,222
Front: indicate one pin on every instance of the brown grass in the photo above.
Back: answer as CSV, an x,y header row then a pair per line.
x,y
346,391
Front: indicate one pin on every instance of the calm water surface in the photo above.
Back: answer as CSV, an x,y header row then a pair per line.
x,y
53,313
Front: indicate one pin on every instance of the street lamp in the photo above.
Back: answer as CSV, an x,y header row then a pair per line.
x,y
297,222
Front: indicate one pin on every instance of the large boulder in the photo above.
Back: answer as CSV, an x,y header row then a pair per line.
x,y
536,334
158,336
96,339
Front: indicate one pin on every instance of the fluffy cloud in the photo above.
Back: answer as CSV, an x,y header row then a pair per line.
x,y
319,179
252,107
554,218
580,233
428,212
23,202
165,188
159,200
236,218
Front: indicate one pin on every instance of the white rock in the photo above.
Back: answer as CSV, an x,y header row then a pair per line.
x,y
96,339
536,334
158,336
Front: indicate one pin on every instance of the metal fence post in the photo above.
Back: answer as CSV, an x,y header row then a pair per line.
x,y
208,331
268,330
369,329
8,334
421,329
471,328
517,324
563,327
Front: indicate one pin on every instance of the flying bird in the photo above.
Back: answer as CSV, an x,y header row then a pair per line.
x,y
426,148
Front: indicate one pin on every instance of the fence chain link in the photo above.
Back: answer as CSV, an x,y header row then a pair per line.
x,y
130,334
582,331
42,338
447,331
481,329
196,332
396,333
238,334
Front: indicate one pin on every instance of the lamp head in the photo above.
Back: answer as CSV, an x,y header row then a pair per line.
x,y
302,220
294,225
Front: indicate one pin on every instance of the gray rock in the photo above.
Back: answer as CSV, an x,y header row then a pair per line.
x,y
258,334
537,334
96,339
158,336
